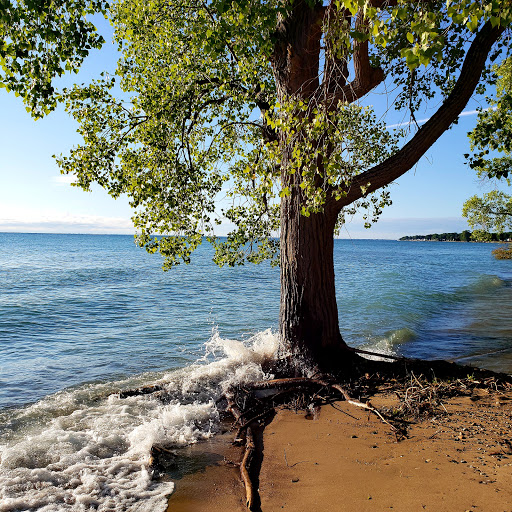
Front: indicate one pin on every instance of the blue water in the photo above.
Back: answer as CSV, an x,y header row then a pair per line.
x,y
77,308
84,316
80,308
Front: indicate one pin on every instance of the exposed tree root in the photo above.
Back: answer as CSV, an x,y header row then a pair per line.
x,y
275,391
419,396
420,386
252,497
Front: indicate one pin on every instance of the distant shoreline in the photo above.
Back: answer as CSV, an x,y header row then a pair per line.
x,y
464,236
457,241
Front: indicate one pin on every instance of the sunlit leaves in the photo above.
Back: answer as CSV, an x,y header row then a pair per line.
x,y
41,40
191,130
424,25
182,131
491,137
491,212
493,132
420,45
330,147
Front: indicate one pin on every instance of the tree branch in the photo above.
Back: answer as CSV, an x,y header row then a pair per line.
x,y
393,167
497,213
366,77
336,66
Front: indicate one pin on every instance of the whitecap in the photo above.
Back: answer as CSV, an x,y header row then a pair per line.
x,y
88,449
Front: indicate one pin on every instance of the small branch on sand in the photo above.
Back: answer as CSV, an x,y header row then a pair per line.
x,y
366,406
258,417
252,498
295,463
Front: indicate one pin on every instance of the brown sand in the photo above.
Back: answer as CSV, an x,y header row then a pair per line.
x,y
346,460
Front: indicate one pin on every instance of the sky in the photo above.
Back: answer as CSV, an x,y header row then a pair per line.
x,y
34,197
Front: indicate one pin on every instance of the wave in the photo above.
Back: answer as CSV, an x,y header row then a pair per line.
x,y
86,448
388,344
484,284
423,309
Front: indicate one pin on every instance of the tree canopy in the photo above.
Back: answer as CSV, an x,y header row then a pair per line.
x,y
200,115
490,213
40,40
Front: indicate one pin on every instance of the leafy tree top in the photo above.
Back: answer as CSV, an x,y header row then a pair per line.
x,y
491,142
41,40
493,133
201,106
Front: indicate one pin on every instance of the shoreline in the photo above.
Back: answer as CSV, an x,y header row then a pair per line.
x,y
344,460
460,241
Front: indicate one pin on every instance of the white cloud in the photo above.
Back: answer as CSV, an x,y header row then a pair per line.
x,y
423,121
53,221
64,179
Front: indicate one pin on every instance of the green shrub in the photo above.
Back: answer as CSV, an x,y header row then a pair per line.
x,y
503,253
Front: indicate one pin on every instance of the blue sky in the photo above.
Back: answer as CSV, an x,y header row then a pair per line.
x,y
34,197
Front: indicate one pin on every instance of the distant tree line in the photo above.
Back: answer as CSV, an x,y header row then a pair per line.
x,y
465,236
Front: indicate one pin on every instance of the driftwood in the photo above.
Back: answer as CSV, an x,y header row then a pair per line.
x,y
378,354
252,498
233,407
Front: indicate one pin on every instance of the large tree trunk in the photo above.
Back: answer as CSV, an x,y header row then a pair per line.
x,y
309,325
309,315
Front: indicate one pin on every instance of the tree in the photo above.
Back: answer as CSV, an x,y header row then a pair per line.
x,y
493,133
465,236
268,102
491,212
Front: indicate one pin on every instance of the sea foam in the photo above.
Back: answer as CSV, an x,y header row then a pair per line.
x,y
87,449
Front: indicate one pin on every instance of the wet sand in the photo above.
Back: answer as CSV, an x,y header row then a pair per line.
x,y
347,460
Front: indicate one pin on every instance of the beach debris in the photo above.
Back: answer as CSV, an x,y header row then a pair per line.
x,y
246,470
146,390
420,387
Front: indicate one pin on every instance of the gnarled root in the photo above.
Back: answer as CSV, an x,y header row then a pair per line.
x,y
252,496
305,381
253,403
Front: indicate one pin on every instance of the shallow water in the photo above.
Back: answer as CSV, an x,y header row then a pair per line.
x,y
427,299
83,317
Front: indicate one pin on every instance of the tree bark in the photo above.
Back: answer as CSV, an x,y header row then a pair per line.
x,y
309,326
309,314
402,161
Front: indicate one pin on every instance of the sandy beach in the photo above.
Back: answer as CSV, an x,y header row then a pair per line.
x,y
344,459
